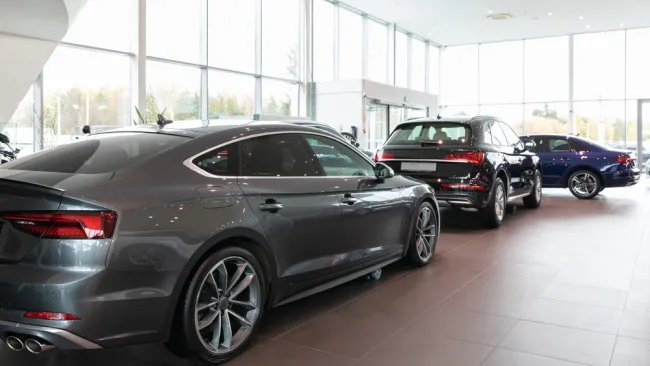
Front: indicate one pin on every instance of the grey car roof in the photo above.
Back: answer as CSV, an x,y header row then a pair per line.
x,y
192,130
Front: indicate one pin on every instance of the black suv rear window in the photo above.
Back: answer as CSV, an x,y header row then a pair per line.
x,y
98,154
447,133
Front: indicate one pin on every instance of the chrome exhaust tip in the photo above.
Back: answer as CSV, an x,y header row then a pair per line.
x,y
14,343
36,347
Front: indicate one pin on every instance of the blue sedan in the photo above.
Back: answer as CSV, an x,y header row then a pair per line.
x,y
582,165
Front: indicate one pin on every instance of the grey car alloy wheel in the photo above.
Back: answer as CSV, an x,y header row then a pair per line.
x,y
227,305
425,233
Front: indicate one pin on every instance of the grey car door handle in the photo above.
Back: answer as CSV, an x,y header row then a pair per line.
x,y
271,206
349,200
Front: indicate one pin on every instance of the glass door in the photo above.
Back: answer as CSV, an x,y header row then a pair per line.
x,y
377,125
415,113
396,118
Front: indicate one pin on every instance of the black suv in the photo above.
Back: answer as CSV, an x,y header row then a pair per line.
x,y
477,163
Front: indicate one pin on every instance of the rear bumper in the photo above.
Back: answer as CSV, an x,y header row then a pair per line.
x,y
624,178
463,199
57,337
116,308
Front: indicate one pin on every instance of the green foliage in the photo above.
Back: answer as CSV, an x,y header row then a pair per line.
x,y
229,105
152,108
187,106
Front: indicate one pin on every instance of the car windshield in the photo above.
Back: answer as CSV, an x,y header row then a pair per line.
x,y
447,133
98,154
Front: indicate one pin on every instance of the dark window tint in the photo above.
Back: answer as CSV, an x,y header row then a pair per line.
x,y
223,161
511,136
581,146
98,154
558,144
275,156
338,160
498,137
447,133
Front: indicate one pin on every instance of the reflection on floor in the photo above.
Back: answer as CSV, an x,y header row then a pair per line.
x,y
568,284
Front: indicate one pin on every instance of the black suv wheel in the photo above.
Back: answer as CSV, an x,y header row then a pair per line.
x,y
495,211
534,199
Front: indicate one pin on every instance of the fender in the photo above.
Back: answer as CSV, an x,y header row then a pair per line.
x,y
506,183
195,260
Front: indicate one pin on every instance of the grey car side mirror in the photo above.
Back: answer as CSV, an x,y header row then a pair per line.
x,y
383,171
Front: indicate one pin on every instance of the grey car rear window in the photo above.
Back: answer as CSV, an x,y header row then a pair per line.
x,y
98,154
448,133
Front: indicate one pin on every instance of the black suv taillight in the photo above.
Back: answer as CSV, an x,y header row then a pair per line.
x,y
475,158
380,155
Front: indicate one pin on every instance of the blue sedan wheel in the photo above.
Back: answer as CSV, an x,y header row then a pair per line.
x,y
584,184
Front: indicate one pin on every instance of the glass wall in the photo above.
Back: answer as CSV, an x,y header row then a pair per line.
x,y
22,127
418,65
217,59
401,59
434,69
340,35
530,85
377,51
324,33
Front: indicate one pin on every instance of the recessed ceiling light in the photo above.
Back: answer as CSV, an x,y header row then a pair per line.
x,y
429,33
622,25
581,17
587,26
550,14
489,11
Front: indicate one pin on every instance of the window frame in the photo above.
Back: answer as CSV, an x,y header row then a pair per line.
x,y
552,138
573,143
496,122
487,133
345,147
189,162
506,127
299,146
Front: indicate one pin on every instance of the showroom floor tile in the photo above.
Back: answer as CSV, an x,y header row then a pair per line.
x,y
552,287
561,343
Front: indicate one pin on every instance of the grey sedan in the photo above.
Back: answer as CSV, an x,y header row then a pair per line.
x,y
185,236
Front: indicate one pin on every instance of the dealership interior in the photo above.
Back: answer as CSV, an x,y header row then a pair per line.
x,y
565,284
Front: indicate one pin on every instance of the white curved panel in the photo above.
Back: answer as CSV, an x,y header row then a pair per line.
x,y
29,33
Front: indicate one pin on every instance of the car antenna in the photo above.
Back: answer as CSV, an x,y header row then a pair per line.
x,y
162,121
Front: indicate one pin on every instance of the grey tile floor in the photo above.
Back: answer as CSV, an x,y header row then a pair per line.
x,y
568,284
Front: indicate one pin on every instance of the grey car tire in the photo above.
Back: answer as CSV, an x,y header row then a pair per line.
x,y
186,339
424,235
534,199
495,210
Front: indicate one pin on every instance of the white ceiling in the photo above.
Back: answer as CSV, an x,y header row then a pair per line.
x,y
454,22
